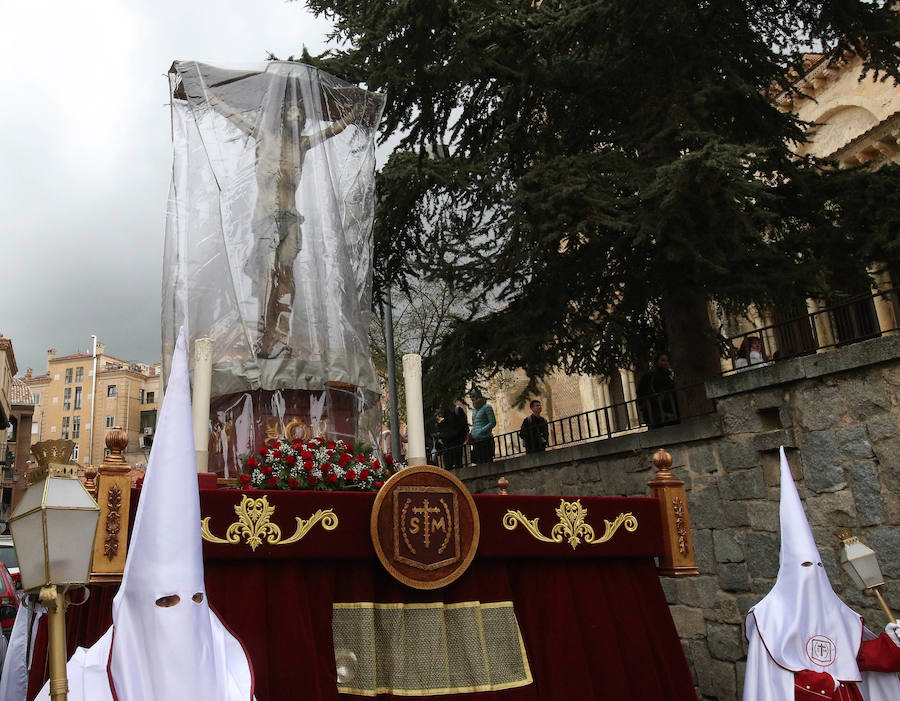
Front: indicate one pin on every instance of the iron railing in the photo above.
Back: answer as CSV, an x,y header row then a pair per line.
x,y
849,321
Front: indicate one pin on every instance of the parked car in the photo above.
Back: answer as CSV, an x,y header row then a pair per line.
x,y
8,558
9,601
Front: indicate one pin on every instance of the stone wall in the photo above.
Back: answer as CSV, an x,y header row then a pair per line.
x,y
838,415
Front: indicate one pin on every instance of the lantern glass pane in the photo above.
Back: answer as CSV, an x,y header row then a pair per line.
x,y
868,569
68,493
71,541
31,499
28,538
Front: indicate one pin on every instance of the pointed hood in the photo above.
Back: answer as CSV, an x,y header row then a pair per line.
x,y
801,621
167,643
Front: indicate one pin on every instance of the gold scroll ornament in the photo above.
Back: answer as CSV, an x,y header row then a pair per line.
x,y
571,526
254,524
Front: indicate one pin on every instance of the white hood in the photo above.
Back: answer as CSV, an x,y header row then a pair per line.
x,y
178,651
801,621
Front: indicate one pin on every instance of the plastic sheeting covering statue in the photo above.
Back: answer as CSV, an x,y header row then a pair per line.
x,y
268,247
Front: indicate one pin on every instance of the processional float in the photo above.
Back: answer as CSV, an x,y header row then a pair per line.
x,y
419,589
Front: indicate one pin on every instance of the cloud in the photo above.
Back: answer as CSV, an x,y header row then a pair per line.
x,y
86,157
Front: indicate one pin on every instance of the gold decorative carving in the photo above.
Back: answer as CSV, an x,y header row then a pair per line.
x,y
113,522
680,525
572,525
254,525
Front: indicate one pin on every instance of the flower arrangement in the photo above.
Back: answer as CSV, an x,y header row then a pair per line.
x,y
315,464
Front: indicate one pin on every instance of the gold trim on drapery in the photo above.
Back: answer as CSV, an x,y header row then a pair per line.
x,y
428,649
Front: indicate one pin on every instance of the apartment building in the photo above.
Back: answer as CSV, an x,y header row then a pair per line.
x,y
74,403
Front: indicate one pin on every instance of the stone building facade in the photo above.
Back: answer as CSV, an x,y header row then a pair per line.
x,y
838,415
128,394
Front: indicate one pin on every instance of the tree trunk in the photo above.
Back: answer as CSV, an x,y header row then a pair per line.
x,y
693,349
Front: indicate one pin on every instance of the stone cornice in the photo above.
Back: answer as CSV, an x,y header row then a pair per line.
x,y
6,345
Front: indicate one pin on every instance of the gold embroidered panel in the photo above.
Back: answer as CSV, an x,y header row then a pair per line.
x,y
428,649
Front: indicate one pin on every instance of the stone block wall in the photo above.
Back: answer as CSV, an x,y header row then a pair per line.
x,y
838,416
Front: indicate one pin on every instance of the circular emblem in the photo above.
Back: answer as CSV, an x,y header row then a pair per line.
x,y
821,650
425,527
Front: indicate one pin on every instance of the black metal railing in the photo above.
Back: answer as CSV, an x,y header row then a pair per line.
x,y
645,412
848,321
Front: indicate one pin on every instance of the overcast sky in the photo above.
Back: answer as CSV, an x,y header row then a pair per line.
x,y
85,157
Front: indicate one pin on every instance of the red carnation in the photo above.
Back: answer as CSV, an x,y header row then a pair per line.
x,y
332,478
276,454
263,451
306,455
389,459
267,470
376,465
273,482
290,460
252,462
309,465
351,475
344,459
364,474
379,484
292,483
312,480
331,445
245,479
360,457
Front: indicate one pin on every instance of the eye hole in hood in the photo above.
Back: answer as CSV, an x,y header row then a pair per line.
x,y
197,598
168,601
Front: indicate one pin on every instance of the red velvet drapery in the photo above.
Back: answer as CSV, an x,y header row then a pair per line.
x,y
594,621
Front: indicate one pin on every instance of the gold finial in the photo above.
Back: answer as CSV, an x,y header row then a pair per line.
x,y
54,458
116,441
845,535
502,485
662,461
53,452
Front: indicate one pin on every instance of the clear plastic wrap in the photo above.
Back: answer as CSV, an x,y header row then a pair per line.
x,y
268,235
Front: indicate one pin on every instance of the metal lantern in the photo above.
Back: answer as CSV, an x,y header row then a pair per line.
x,y
860,562
54,524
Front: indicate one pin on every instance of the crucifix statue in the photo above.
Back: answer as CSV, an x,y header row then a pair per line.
x,y
268,243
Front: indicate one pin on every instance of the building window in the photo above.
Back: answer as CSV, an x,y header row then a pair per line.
x,y
75,453
79,374
76,427
53,429
109,421
55,376
65,428
37,398
151,397
142,396
68,376
67,398
56,400
34,429
111,390
78,397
